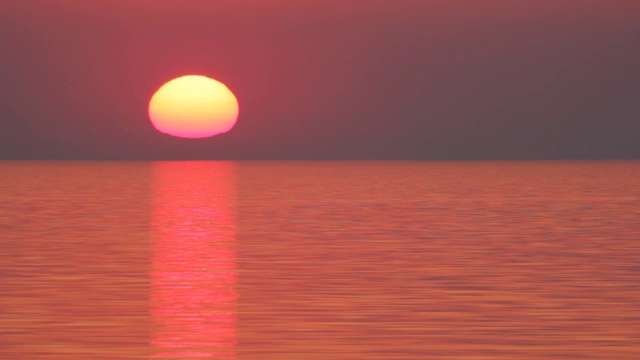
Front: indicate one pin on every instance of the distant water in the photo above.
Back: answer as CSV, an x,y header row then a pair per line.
x,y
319,260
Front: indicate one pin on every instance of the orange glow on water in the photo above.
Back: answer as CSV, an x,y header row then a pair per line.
x,y
193,296
193,106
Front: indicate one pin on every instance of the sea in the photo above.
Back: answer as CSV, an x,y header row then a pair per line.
x,y
319,260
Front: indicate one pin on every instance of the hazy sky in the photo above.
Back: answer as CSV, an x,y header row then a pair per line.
x,y
326,79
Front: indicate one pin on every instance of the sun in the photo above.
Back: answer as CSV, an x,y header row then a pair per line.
x,y
193,106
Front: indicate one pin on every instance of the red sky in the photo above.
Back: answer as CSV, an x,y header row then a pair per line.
x,y
326,79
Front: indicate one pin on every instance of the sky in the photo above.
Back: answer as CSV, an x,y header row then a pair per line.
x,y
326,79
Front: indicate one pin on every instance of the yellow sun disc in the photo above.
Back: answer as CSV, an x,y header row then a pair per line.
x,y
193,106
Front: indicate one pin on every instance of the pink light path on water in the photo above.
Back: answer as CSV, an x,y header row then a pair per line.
x,y
193,296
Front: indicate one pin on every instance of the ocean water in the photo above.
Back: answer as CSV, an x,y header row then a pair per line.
x,y
319,260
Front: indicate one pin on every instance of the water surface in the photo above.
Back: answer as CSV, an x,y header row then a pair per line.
x,y
319,260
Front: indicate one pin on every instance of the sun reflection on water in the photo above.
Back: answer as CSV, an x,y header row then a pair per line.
x,y
193,295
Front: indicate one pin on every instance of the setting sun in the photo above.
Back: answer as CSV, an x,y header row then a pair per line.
x,y
193,106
